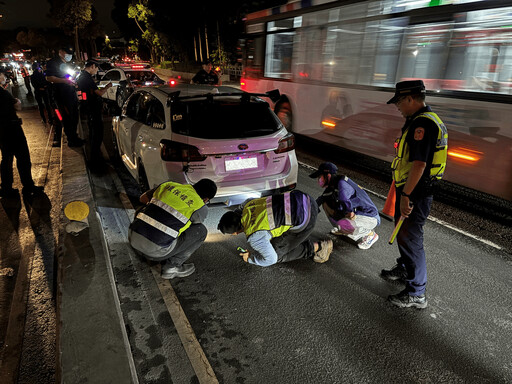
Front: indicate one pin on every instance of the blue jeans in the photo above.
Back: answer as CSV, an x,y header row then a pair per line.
x,y
410,243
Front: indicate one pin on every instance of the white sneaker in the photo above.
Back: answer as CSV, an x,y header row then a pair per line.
x,y
368,240
181,271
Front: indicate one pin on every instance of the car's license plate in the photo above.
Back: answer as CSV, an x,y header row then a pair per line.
x,y
241,162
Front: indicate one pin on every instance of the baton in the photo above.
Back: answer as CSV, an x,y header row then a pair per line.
x,y
397,228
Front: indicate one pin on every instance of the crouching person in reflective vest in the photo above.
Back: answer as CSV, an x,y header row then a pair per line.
x,y
169,228
277,229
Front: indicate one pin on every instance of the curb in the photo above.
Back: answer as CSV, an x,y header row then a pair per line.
x,y
92,341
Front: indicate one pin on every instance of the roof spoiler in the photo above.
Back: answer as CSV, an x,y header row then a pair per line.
x,y
273,95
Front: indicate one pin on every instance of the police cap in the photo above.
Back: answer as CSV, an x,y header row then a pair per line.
x,y
91,62
323,169
406,88
67,48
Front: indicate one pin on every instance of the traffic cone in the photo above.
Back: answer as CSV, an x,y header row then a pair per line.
x,y
388,212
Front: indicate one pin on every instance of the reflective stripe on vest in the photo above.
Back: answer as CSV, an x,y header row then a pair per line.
x,y
168,213
401,165
259,214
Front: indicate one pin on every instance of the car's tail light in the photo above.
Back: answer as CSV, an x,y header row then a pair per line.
x,y
286,144
243,84
176,151
172,82
137,66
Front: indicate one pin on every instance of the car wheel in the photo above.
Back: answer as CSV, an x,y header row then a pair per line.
x,y
283,110
143,179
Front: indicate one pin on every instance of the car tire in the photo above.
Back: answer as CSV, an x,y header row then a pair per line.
x,y
143,179
283,110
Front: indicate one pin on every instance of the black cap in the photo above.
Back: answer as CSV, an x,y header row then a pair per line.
x,y
91,62
36,66
324,168
3,70
67,48
406,88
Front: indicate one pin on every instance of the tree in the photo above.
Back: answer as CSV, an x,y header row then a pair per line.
x,y
72,16
142,15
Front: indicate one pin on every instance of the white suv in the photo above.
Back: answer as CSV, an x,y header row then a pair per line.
x,y
189,132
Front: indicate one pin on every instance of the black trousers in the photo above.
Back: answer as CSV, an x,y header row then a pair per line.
x,y
69,111
43,103
95,124
13,143
296,245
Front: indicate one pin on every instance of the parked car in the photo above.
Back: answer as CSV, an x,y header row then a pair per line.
x,y
125,80
189,132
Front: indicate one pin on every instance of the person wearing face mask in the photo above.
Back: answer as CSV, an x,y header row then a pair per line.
x,y
94,105
13,143
64,93
347,206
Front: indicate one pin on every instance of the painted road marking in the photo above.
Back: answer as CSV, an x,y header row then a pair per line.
x,y
431,218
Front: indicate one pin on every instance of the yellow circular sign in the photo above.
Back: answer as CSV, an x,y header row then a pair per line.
x,y
76,210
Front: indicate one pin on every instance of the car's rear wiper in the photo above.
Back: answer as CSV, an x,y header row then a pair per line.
x,y
273,95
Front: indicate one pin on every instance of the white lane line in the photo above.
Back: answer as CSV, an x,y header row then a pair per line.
x,y
198,359
431,218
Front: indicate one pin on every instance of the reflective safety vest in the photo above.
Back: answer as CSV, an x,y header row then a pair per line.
x,y
401,165
168,213
277,213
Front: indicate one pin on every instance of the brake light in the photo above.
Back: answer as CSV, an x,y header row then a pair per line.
x,y
137,66
175,151
172,82
84,95
286,144
243,85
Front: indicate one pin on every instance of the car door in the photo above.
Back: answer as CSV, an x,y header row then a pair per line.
x,y
149,136
127,125
114,76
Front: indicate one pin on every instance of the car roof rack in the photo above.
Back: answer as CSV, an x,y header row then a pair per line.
x,y
273,95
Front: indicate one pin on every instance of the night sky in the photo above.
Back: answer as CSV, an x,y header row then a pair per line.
x,y
33,14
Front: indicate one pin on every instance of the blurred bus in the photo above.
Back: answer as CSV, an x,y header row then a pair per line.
x,y
336,64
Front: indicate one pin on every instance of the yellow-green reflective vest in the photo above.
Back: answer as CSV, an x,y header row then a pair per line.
x,y
168,213
401,165
276,214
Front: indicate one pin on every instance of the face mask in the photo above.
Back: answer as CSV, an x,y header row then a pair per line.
x,y
321,181
68,57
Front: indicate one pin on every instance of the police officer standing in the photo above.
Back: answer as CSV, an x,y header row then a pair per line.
x,y
206,75
169,228
64,93
13,143
419,164
41,93
94,105
277,229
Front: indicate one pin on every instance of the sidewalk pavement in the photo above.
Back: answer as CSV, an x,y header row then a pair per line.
x,y
92,342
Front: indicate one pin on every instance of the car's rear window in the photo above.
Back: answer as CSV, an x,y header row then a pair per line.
x,y
142,76
220,119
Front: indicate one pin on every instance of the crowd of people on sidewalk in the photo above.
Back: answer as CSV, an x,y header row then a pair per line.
x,y
169,227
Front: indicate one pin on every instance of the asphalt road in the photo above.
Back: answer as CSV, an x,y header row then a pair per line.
x,y
303,322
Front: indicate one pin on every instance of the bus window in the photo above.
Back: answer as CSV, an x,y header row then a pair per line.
x,y
253,57
308,61
342,52
481,52
424,54
278,57
380,52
